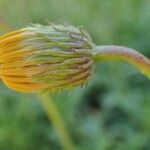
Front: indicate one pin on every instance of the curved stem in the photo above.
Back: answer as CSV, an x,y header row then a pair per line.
x,y
112,52
57,121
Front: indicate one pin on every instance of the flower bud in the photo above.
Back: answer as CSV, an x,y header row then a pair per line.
x,y
45,58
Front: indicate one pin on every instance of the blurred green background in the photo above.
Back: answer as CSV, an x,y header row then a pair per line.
x,y
113,111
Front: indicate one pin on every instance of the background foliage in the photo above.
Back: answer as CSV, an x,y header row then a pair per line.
x,y
113,111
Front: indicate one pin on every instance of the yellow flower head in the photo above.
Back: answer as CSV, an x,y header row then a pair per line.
x,y
41,58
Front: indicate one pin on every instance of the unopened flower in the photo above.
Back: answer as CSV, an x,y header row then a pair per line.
x,y
38,58
56,57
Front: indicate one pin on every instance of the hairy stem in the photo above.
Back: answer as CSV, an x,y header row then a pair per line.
x,y
129,55
57,121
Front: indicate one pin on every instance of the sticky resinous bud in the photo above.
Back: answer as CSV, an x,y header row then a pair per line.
x,y
46,58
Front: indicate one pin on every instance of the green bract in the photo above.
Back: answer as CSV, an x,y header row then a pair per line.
x,y
60,57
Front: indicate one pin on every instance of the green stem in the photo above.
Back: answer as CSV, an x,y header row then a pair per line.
x,y
57,121
129,55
